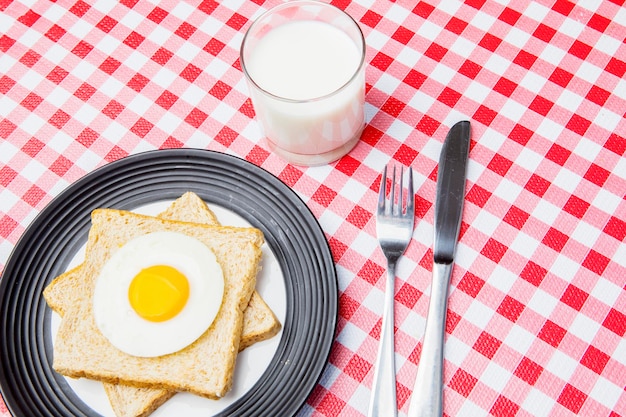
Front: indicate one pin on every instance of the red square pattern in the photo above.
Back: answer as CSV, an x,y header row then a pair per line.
x,y
190,73
59,119
85,91
505,87
471,284
393,106
142,127
574,297
596,262
572,398
563,6
615,321
595,359
463,382
485,115
166,99
134,39
113,109
337,248
558,154
555,239
381,61
87,137
157,15
226,136
552,333
509,16
500,165
576,206
61,165
237,21
371,271
510,308
456,25
470,69
347,306
403,35
371,18
7,226
348,165
55,33
504,407
34,195
31,101
32,147
324,195
110,65
220,90
487,345
7,175
408,295
214,46
494,250
29,18
528,371
478,195
449,97
533,273
106,24
405,155
357,368
597,175
428,125
616,144
616,227
537,185
423,9
196,117
516,217
359,217
544,32
436,52
541,105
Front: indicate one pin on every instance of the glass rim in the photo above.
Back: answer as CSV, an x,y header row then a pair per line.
x,y
296,3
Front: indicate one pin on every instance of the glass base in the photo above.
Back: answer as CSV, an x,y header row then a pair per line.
x,y
315,159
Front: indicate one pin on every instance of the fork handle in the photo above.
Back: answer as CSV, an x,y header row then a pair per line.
x,y
383,398
427,397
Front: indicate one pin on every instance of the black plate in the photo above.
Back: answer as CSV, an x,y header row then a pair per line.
x,y
29,385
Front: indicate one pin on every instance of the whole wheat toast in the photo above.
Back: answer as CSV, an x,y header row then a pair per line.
x,y
259,322
82,351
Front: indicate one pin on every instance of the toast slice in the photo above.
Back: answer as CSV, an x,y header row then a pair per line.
x,y
259,322
206,366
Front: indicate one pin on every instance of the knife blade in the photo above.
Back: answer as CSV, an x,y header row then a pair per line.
x,y
427,396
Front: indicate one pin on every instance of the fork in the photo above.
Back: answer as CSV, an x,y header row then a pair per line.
x,y
394,229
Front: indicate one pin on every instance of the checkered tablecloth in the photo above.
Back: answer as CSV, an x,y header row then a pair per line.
x,y
537,308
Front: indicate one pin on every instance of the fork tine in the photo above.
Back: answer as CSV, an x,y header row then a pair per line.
x,y
400,193
392,194
382,192
410,195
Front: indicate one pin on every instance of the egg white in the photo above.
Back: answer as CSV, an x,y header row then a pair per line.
x,y
129,332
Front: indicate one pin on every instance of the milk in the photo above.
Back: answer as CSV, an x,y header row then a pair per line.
x,y
307,87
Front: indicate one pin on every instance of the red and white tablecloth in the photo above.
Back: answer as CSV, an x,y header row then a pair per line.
x,y
537,309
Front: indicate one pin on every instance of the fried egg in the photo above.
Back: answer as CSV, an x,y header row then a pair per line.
x,y
158,293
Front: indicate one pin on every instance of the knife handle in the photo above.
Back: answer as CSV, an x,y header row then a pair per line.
x,y
427,397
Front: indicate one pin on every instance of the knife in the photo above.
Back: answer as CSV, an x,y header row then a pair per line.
x,y
427,397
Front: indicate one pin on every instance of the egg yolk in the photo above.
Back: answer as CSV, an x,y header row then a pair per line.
x,y
158,293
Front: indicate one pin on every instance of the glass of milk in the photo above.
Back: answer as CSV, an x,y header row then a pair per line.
x,y
304,64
